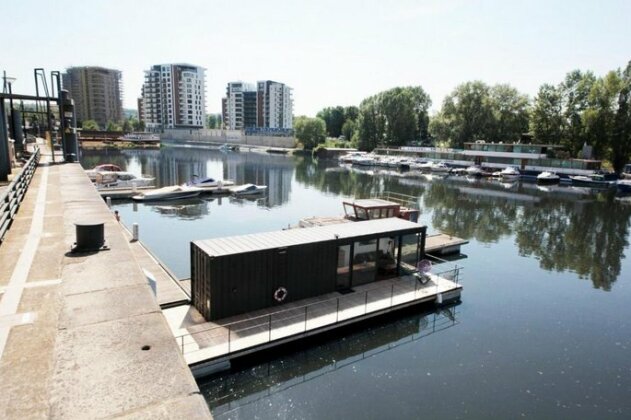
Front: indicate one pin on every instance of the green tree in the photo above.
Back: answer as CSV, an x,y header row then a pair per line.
x,y
621,129
510,113
351,113
466,115
334,118
127,125
546,118
310,131
599,117
575,88
112,126
90,125
349,129
213,121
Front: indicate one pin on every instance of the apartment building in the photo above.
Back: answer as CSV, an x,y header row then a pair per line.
x,y
174,96
97,93
267,104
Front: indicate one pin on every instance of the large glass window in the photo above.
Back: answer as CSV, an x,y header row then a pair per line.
x,y
387,256
410,250
364,262
343,267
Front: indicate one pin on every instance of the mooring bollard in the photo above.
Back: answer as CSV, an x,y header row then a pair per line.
x,y
135,232
108,200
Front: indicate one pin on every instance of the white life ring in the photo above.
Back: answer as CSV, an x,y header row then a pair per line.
x,y
280,294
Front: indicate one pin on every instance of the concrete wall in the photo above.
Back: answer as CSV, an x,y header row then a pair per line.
x,y
227,136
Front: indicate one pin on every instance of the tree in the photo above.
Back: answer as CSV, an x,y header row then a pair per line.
x,y
349,129
393,117
310,131
214,121
599,117
127,125
546,118
90,125
621,129
112,126
575,89
466,115
510,113
334,118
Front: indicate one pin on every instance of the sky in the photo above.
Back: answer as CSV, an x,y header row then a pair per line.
x,y
330,52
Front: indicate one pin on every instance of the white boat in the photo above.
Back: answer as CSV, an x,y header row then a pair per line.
x,y
474,170
350,157
208,182
511,172
440,167
248,189
365,161
122,180
548,177
174,192
140,137
106,167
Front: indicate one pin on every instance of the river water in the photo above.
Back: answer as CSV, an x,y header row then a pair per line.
x,y
543,329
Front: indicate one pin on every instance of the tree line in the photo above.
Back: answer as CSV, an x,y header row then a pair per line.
x,y
583,109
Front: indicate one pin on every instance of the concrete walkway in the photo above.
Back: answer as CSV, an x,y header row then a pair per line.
x,y
73,326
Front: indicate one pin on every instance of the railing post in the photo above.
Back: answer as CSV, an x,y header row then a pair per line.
x,y
229,334
391,295
306,318
366,303
270,327
337,311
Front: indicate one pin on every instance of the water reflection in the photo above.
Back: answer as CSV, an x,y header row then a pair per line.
x,y
251,385
189,209
564,228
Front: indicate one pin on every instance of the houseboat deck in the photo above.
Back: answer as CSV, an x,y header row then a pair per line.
x,y
442,244
205,344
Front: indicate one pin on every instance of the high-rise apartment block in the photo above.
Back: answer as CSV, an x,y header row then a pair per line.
x,y
267,104
97,93
174,96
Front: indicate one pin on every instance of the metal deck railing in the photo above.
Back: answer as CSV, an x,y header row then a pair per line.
x,y
222,340
11,198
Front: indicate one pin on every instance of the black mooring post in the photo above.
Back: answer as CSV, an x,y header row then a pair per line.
x,y
5,160
68,126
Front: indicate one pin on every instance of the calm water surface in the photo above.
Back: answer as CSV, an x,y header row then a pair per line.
x,y
543,329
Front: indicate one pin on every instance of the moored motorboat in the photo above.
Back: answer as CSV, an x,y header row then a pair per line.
x,y
511,172
174,192
440,167
121,180
248,189
474,170
596,180
208,182
548,177
106,167
624,186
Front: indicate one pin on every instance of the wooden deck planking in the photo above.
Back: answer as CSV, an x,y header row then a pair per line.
x,y
443,244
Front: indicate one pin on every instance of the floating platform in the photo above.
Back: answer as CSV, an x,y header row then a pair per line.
x,y
209,346
442,244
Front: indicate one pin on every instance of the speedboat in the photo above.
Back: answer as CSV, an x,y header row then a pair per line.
x,y
511,172
350,157
548,177
208,182
624,186
440,167
248,189
122,180
106,167
174,192
474,170
595,180
365,161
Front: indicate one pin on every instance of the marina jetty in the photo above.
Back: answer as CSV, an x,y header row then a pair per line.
x,y
81,333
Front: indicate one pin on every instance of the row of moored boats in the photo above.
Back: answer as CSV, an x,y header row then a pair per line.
x,y
510,173
112,177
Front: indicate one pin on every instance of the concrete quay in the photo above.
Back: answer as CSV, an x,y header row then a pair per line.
x,y
81,335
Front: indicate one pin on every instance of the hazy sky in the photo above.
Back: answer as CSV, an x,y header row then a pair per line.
x,y
330,52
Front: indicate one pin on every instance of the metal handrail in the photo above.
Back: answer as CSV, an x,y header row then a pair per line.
x,y
268,319
16,190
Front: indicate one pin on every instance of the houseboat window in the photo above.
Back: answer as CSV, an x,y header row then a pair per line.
x,y
387,256
343,280
390,212
410,250
361,213
374,213
364,262
349,209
